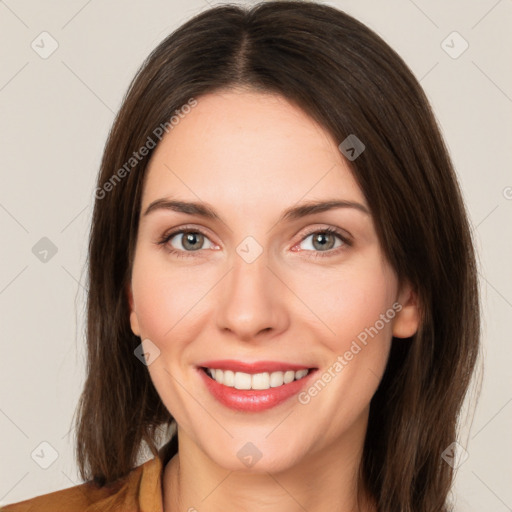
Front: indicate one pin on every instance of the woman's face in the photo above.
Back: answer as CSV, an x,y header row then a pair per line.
x,y
251,284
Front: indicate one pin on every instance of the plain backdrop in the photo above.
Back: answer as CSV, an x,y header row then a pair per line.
x,y
56,111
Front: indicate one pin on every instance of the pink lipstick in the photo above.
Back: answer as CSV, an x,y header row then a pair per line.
x,y
275,382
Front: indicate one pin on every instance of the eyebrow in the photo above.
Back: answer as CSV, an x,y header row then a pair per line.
x,y
293,213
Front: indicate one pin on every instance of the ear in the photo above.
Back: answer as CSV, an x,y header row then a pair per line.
x,y
407,320
134,321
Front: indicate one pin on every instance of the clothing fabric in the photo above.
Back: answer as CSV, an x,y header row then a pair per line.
x,y
139,491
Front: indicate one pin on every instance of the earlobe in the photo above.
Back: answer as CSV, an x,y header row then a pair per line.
x,y
134,321
407,320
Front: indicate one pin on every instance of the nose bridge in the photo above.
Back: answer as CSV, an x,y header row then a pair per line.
x,y
251,299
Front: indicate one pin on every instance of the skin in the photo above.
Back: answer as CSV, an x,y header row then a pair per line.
x,y
250,156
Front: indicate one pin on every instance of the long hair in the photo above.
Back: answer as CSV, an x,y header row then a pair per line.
x,y
350,81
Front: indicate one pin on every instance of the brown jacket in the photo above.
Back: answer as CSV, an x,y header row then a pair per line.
x,y
139,491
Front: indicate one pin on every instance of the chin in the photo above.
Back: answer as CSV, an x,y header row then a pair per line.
x,y
258,455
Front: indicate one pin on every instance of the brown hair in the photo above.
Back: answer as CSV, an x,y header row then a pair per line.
x,y
349,80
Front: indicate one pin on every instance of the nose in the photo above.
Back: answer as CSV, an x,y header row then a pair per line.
x,y
252,301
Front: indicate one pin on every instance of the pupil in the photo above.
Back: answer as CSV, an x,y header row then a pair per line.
x,y
321,239
191,240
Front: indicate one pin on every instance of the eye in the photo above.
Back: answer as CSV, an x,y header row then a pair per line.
x,y
324,241
185,240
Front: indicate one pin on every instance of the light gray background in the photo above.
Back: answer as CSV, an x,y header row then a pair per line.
x,y
55,117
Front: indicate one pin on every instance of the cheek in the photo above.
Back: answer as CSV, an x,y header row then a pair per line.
x,y
164,296
351,302
354,305
357,345
154,305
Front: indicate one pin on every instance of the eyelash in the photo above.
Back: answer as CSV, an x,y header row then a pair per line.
x,y
315,254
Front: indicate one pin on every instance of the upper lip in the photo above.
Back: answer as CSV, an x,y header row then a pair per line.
x,y
254,367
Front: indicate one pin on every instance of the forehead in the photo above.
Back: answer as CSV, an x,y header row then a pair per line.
x,y
248,147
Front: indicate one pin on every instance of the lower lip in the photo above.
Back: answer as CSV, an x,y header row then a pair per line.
x,y
253,400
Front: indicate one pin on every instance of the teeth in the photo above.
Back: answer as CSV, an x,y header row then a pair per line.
x,y
241,380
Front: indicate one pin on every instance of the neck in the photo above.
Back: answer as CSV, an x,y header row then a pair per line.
x,y
325,480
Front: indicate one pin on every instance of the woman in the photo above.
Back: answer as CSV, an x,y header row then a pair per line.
x,y
282,280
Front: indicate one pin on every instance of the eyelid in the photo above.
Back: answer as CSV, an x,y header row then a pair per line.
x,y
347,242
342,233
184,229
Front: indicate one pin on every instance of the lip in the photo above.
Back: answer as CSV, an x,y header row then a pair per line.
x,y
254,400
252,368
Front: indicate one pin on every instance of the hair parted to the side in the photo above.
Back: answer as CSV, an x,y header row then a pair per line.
x,y
350,81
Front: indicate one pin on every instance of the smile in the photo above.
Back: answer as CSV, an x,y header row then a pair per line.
x,y
265,380
253,387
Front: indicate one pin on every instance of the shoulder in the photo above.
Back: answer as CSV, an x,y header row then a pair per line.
x,y
124,494
72,499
